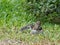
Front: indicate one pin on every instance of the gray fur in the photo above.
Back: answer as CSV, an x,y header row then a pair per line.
x,y
35,28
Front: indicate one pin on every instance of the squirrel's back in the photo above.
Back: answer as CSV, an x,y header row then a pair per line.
x,y
29,26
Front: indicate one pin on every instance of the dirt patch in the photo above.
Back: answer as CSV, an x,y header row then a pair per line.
x,y
10,42
18,42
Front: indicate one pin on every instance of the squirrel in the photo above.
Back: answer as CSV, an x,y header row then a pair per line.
x,y
35,28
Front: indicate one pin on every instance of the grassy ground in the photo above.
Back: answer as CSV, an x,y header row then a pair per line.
x,y
13,16
51,35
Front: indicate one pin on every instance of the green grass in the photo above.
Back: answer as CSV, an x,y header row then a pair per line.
x,y
13,16
51,32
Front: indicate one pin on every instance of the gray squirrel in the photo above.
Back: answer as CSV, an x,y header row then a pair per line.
x,y
35,28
